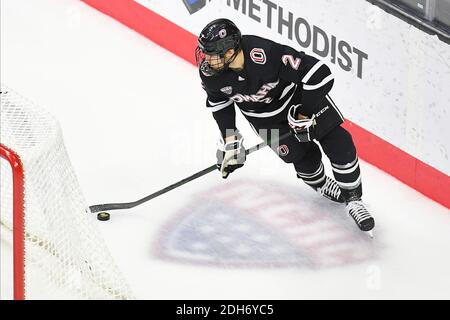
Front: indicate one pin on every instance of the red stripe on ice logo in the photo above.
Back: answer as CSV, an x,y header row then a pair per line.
x,y
258,56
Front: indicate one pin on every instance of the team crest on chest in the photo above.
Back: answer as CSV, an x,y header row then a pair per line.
x,y
227,90
258,56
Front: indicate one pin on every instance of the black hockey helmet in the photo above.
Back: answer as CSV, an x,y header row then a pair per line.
x,y
217,38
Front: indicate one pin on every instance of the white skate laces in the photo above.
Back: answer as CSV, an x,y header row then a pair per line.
x,y
331,190
357,210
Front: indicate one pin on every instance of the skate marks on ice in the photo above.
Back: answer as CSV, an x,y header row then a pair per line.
x,y
263,224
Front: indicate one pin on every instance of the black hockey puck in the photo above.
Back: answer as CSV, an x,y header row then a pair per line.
x,y
103,216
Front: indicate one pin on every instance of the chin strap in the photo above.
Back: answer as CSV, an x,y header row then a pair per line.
x,y
232,58
209,71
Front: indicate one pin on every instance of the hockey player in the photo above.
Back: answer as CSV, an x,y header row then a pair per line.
x,y
279,90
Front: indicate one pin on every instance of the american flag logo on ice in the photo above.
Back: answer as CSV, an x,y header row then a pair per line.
x,y
256,224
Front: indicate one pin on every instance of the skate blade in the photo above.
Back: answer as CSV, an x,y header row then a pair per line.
x,y
370,233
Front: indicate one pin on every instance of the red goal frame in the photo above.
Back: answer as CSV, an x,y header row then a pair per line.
x,y
18,220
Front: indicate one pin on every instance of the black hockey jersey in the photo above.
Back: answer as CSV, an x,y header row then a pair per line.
x,y
274,77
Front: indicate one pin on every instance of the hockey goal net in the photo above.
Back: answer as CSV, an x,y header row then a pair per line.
x,y
55,248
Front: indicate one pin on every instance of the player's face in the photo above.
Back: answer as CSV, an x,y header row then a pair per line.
x,y
215,61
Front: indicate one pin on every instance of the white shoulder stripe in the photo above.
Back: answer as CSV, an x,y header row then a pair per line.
x,y
312,71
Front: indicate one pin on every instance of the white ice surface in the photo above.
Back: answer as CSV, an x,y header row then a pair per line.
x,y
134,121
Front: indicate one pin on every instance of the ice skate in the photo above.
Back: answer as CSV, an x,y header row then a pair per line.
x,y
330,190
358,211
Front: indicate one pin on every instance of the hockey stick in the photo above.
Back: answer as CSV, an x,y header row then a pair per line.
x,y
129,205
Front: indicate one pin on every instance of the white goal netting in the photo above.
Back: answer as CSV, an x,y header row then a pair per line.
x,y
65,255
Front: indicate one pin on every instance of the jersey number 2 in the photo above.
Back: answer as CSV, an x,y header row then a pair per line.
x,y
295,63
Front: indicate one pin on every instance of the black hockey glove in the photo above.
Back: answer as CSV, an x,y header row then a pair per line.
x,y
230,156
303,129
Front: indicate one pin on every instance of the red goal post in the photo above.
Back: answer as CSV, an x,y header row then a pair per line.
x,y
18,220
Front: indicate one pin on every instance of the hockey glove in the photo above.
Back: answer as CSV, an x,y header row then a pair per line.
x,y
230,156
303,128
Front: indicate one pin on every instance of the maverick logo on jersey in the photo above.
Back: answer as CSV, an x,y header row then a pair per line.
x,y
260,96
258,56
